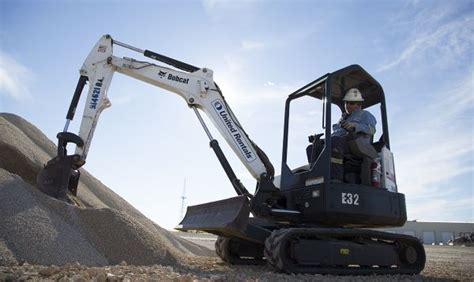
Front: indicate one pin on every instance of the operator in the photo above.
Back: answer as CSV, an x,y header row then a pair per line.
x,y
354,123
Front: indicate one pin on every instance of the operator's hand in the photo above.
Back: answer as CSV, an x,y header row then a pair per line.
x,y
349,126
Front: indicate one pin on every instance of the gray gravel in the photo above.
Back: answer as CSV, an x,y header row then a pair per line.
x,y
444,263
34,233
200,238
39,229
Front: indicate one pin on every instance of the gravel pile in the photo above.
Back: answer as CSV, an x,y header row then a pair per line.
x,y
38,229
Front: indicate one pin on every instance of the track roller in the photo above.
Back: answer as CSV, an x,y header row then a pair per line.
x,y
239,251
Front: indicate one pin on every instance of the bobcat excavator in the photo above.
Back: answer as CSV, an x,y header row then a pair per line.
x,y
297,222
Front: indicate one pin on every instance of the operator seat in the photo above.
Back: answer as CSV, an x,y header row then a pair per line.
x,y
357,162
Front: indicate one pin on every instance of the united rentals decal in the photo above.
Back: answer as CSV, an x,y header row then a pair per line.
x,y
234,131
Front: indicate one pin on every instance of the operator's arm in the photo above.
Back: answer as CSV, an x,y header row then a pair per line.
x,y
358,122
364,122
337,129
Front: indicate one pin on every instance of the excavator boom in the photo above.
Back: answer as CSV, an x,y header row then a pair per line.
x,y
195,85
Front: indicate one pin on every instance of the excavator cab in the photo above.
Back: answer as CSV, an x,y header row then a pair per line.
x,y
363,152
357,201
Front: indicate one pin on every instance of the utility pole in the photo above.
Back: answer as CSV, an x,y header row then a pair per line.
x,y
183,197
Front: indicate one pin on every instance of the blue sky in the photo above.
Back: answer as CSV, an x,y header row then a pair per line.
x,y
148,142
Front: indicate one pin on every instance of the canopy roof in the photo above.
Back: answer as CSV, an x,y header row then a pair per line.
x,y
353,76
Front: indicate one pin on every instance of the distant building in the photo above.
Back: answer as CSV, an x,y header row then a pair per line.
x,y
433,232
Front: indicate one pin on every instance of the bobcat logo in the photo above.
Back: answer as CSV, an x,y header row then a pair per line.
x,y
162,74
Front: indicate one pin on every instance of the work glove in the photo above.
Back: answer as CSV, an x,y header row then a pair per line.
x,y
349,126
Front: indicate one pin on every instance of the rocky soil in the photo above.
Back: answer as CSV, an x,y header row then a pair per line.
x,y
444,263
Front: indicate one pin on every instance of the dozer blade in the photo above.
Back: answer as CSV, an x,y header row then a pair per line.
x,y
59,175
225,217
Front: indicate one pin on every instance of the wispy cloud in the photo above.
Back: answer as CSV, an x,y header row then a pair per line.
x,y
436,37
212,5
234,62
247,94
252,45
14,78
435,150
439,209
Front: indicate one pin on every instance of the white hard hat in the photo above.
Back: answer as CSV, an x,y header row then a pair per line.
x,y
353,95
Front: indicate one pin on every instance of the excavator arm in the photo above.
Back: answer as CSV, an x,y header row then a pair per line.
x,y
195,85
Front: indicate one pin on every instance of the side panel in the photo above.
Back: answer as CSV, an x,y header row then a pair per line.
x,y
349,205
365,205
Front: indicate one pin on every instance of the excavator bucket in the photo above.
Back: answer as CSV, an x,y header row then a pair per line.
x,y
59,175
224,217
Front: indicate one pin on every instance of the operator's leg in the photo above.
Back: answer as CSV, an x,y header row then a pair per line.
x,y
339,148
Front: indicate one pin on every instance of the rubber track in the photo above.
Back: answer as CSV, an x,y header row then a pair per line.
x,y
278,258
226,253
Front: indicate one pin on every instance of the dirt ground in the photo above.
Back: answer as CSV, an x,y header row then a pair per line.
x,y
444,263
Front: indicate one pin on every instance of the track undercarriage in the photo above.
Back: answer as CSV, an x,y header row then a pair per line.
x,y
302,247
336,251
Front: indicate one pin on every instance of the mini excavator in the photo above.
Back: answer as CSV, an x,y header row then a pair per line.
x,y
297,222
